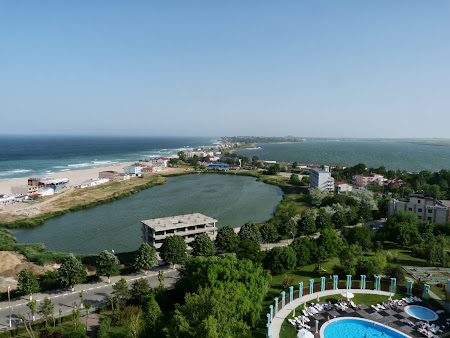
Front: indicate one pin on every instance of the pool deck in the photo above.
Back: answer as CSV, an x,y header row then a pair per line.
x,y
393,318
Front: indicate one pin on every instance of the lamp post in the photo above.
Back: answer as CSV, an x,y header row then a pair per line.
x,y
9,304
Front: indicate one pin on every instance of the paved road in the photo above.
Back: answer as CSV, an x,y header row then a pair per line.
x,y
96,293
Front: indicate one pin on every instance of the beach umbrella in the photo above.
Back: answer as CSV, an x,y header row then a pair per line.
x,y
347,295
303,333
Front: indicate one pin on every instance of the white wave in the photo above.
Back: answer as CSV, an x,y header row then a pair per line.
x,y
79,165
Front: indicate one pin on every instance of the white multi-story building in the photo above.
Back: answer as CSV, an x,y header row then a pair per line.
x,y
321,179
426,206
155,231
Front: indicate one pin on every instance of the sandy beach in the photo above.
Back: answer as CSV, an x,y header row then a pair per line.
x,y
75,176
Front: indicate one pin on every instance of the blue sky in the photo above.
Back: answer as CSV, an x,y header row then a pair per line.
x,y
213,68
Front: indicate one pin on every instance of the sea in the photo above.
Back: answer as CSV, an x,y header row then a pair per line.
x,y
392,154
24,156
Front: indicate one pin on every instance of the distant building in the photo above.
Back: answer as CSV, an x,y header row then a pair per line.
x,y
7,199
57,184
133,170
109,174
25,190
218,166
426,206
364,180
155,231
321,179
151,169
341,186
92,183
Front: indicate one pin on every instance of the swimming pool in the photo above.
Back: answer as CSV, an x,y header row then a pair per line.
x,y
357,328
421,312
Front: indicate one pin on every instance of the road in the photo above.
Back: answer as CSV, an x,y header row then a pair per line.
x,y
95,293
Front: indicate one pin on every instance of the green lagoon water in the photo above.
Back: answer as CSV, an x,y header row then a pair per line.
x,y
391,154
232,200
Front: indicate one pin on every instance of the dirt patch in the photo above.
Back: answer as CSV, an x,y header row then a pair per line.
x,y
9,260
11,264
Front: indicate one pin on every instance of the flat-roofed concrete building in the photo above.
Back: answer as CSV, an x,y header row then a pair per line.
x,y
321,179
155,231
426,206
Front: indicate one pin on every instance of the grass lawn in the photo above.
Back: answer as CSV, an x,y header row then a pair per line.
x,y
303,274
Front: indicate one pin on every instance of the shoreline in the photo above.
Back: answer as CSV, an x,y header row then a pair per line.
x,y
75,176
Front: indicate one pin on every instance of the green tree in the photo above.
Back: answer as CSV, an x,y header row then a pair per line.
x,y
160,277
32,306
339,219
146,258
250,231
152,316
359,235
323,221
349,257
316,196
248,249
202,246
107,265
226,240
280,259
320,254
46,309
307,224
27,283
223,271
294,165
330,241
173,249
71,271
395,271
269,233
120,290
88,307
140,289
294,180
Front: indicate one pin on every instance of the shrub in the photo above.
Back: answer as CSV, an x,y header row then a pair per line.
x,y
104,326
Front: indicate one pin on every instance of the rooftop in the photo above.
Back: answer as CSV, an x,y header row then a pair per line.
x,y
340,182
175,222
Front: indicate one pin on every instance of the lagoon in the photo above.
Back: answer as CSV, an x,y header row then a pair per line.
x,y
231,199
392,154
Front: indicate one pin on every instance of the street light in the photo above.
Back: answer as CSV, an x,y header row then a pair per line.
x,y
9,304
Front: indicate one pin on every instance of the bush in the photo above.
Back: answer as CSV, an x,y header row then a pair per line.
x,y
104,326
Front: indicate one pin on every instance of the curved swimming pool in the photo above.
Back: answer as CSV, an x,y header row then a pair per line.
x,y
357,328
421,312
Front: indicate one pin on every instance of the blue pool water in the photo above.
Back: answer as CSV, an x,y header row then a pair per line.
x,y
421,312
358,328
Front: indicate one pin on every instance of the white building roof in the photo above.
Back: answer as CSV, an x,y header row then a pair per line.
x,y
175,222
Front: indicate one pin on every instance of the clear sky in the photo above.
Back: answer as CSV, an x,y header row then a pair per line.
x,y
377,68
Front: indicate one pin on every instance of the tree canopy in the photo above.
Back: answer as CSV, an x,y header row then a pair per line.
x,y
108,264
226,239
250,231
71,271
203,246
146,258
173,249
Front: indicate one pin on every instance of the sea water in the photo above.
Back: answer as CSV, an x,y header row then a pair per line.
x,y
24,156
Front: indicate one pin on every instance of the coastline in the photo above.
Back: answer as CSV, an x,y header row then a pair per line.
x,y
75,176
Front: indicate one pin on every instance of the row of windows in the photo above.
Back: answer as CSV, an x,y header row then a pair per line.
x,y
430,211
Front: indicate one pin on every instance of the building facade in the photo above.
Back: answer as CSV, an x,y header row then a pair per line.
x,y
57,184
341,186
364,180
321,179
426,207
133,170
155,231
